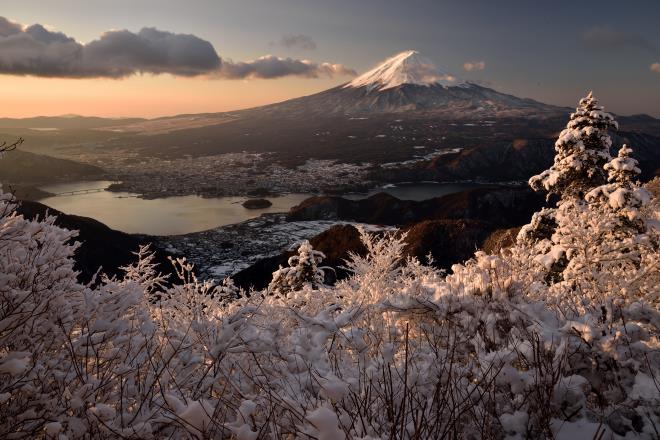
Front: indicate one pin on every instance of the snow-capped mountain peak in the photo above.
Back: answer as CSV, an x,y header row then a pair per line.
x,y
407,67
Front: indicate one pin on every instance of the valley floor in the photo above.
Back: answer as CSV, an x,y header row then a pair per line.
x,y
221,252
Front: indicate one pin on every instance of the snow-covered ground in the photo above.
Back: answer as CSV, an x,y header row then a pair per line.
x,y
418,158
223,251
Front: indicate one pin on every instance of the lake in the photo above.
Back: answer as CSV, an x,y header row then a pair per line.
x,y
418,191
185,214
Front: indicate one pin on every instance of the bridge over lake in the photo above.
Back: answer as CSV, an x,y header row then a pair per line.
x,y
78,192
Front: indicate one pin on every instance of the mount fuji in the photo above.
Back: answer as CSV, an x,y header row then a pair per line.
x,y
409,82
403,108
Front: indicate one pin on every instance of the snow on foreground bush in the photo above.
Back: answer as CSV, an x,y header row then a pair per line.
x,y
556,337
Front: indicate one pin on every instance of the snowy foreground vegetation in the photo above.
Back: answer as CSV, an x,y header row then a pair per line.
x,y
555,337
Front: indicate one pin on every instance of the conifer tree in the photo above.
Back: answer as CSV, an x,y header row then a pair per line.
x,y
601,245
606,240
622,196
582,151
623,168
303,270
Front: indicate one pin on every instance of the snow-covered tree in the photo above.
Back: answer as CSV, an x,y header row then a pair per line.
x,y
303,270
396,351
595,271
622,169
582,149
541,227
623,194
599,244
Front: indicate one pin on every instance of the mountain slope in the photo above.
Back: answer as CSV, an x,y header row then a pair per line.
x,y
381,116
23,167
408,82
469,101
101,247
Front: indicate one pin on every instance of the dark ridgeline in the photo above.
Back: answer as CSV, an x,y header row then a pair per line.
x,y
101,246
449,228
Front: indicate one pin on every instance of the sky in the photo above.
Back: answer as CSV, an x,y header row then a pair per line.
x,y
162,57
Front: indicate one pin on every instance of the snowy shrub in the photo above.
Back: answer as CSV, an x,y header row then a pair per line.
x,y
144,271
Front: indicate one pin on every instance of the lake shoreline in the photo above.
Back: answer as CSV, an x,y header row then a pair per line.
x,y
180,215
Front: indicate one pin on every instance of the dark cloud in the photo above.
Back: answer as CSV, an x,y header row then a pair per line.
x,y
298,41
270,66
9,28
122,53
603,37
37,51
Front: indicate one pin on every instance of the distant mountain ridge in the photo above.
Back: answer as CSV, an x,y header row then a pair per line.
x,y
65,122
24,167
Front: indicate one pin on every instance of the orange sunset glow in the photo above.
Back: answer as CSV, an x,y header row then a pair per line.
x,y
145,95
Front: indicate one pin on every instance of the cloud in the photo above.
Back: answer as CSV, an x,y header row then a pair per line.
x,y
270,66
298,41
655,67
473,66
603,37
36,51
9,28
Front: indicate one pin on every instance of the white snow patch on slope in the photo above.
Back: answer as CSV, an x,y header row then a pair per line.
x,y
407,67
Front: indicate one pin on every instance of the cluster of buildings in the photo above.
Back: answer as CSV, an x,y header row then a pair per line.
x,y
231,174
